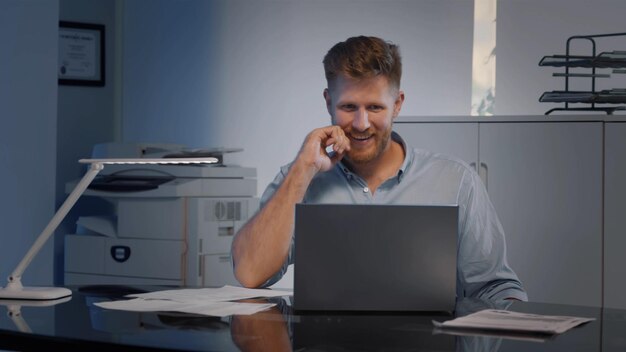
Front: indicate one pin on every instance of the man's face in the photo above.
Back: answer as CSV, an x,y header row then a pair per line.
x,y
365,110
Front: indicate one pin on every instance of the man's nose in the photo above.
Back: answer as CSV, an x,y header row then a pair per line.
x,y
361,120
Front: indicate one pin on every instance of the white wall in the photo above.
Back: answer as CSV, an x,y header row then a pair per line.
x,y
28,103
86,116
527,30
244,73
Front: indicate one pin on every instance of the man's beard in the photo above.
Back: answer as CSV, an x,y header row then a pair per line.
x,y
361,157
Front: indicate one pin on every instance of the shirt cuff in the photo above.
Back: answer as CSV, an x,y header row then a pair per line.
x,y
510,293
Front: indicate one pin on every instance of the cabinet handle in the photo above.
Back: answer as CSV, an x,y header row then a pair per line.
x,y
473,166
201,268
483,172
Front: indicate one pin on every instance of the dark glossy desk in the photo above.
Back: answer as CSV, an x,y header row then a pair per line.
x,y
79,325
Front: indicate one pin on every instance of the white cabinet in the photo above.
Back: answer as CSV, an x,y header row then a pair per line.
x,y
456,138
545,180
615,215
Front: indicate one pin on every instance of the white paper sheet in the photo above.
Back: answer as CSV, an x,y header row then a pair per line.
x,y
222,294
204,301
494,319
102,225
218,309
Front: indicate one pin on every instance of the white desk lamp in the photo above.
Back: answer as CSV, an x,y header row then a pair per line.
x,y
14,289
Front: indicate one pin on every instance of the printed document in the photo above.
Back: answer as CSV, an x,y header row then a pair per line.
x,y
204,301
222,294
493,319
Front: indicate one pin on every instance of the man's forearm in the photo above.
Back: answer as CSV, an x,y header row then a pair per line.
x,y
262,245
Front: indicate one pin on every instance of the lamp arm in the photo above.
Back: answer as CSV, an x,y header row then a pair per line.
x,y
14,311
16,275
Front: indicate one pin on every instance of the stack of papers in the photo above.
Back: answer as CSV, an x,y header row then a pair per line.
x,y
204,301
503,320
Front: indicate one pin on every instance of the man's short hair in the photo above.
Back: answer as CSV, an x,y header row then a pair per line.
x,y
364,57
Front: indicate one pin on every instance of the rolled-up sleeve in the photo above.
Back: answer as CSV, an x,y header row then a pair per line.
x,y
483,270
267,195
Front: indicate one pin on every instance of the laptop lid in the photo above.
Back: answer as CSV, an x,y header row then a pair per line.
x,y
355,257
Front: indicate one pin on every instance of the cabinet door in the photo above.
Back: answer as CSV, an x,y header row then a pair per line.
x,y
615,215
459,139
545,181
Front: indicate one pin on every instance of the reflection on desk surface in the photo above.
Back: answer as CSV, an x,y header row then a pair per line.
x,y
79,325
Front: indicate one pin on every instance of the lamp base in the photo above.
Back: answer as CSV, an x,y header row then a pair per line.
x,y
35,293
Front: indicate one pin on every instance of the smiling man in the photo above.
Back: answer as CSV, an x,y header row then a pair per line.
x,y
373,165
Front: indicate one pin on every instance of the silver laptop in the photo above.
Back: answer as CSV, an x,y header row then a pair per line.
x,y
375,257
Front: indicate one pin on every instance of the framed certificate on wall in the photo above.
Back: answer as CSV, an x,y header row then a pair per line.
x,y
81,54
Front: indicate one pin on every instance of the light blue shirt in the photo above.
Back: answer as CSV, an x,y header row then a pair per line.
x,y
429,178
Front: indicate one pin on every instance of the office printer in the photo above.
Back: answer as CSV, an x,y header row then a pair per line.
x,y
170,224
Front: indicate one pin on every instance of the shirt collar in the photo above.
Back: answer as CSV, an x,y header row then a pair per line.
x,y
408,154
408,158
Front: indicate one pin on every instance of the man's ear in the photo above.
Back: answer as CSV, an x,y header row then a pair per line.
x,y
328,100
398,104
